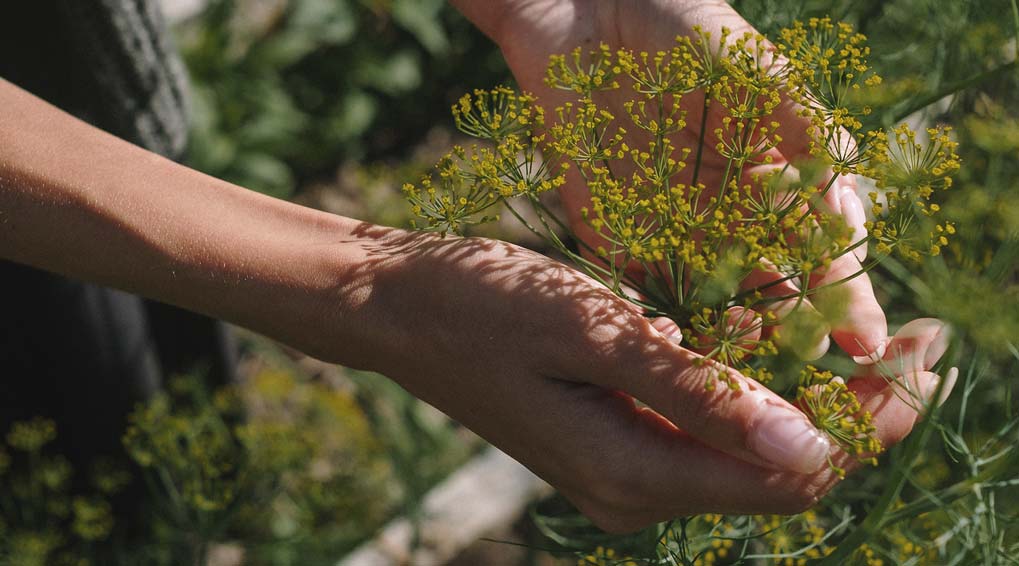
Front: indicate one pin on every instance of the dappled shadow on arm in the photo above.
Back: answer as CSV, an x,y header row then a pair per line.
x,y
458,313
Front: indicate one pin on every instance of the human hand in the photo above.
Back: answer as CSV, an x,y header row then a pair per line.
x,y
529,32
540,360
546,364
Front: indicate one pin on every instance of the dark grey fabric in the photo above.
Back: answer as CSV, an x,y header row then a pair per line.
x,y
139,78
109,62
83,354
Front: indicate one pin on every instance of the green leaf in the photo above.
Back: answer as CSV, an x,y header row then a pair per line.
x,y
397,74
421,19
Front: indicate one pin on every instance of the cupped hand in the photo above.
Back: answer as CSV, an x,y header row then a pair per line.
x,y
529,31
573,382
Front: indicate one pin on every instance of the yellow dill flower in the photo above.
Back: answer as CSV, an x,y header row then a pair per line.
x,y
583,75
686,240
907,175
32,435
836,411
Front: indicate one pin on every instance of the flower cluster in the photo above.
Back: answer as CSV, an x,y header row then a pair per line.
x,y
907,175
218,467
46,515
691,195
835,411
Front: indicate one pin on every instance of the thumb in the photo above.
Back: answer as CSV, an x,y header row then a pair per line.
x,y
745,420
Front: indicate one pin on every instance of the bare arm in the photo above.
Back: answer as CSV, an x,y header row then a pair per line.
x,y
530,354
80,202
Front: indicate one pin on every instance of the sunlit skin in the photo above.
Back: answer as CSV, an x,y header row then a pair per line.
x,y
655,234
527,352
530,32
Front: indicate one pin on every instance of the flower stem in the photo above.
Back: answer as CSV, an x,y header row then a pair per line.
x,y
877,515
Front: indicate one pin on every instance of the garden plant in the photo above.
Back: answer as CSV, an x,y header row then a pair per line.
x,y
288,469
683,247
735,261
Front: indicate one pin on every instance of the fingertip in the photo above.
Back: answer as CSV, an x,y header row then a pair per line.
x,y
894,406
949,384
863,330
819,350
785,438
852,212
916,346
874,357
668,329
860,328
866,344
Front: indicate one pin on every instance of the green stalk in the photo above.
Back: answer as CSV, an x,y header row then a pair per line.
x,y
954,87
812,206
1015,24
877,517
700,141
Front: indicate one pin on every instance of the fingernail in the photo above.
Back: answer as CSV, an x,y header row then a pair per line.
x,y
674,336
819,350
852,211
834,197
913,352
668,329
872,358
937,347
950,378
788,440
949,382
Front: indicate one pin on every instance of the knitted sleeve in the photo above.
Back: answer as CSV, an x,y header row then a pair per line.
x,y
110,62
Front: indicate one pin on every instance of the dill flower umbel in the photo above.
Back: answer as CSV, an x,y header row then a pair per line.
x,y
687,198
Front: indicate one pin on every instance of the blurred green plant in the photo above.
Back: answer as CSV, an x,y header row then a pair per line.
x,y
44,518
274,465
284,91
282,468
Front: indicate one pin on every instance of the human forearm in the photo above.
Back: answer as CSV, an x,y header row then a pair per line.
x,y
80,202
527,352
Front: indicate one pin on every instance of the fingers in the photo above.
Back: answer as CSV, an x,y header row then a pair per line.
x,y
917,346
862,328
692,450
907,387
862,318
626,467
800,327
745,420
896,406
642,469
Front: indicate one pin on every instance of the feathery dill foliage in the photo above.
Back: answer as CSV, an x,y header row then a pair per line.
x,y
686,212
710,539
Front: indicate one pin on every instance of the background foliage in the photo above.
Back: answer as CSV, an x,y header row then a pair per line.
x,y
337,103
284,91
